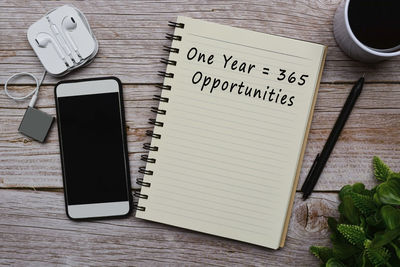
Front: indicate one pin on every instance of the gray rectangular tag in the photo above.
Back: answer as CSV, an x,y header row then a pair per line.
x,y
36,124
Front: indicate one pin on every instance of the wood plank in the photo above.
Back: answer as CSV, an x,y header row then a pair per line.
x,y
372,129
132,35
33,222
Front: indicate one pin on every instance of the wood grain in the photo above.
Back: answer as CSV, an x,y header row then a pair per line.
x,y
132,34
372,129
35,229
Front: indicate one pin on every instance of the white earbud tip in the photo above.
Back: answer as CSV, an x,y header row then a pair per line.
x,y
69,23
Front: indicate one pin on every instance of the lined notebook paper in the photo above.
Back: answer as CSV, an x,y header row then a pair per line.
x,y
238,106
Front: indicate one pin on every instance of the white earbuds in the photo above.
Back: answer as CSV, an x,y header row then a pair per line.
x,y
60,38
70,35
69,24
43,39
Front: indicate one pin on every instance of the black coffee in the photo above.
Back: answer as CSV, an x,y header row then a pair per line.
x,y
376,23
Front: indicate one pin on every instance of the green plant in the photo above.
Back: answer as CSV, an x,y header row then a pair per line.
x,y
368,230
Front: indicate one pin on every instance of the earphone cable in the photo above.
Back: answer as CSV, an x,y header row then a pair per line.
x,y
34,93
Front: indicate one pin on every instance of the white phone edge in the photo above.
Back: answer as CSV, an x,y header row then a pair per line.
x,y
89,87
107,209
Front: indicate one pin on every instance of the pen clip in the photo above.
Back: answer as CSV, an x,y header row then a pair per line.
x,y
310,173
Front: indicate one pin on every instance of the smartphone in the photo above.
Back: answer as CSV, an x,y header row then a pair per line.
x,y
94,154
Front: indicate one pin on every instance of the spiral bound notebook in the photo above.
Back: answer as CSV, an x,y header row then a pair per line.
x,y
230,132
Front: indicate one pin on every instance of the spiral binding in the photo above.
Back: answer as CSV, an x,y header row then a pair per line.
x,y
152,134
147,146
158,111
166,74
171,49
173,37
155,123
164,87
176,24
168,62
160,98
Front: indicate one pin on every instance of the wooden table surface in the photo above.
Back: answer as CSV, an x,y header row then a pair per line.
x,y
34,229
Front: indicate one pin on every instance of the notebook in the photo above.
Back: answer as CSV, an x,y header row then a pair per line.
x,y
230,131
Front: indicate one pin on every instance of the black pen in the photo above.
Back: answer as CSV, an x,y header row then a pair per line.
x,y
321,159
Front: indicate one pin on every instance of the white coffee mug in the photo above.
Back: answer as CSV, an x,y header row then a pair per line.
x,y
350,45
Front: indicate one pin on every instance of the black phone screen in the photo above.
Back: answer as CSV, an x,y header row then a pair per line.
x,y
93,150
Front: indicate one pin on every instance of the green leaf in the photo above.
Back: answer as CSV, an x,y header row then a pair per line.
x,y
335,235
345,191
377,201
359,188
349,210
343,250
391,217
375,220
332,223
396,249
365,215
353,233
389,192
377,255
363,261
383,238
363,223
394,175
381,170
332,262
322,253
341,209
364,203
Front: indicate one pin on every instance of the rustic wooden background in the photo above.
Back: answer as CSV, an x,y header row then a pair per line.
x,y
34,229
